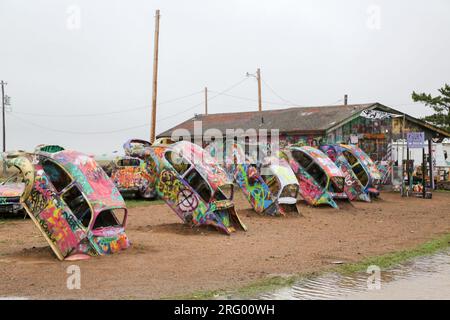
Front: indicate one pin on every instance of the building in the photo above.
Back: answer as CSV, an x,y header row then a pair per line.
x,y
372,126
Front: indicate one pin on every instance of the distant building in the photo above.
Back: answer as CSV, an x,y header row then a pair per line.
x,y
373,126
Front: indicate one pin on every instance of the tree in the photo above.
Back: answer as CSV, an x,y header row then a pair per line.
x,y
440,104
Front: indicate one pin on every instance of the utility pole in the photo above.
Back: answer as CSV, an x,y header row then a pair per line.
x,y
206,101
3,84
155,78
258,77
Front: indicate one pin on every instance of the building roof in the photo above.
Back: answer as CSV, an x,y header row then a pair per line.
x,y
295,120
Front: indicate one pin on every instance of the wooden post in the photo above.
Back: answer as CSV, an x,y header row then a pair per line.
x,y
430,162
424,172
3,83
206,100
258,77
155,78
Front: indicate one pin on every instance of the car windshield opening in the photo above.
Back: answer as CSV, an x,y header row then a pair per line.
x,y
224,192
318,174
78,205
199,184
129,162
58,177
350,157
110,218
289,191
361,174
180,164
302,158
272,183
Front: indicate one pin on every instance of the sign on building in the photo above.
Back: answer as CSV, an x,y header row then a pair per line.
x,y
416,140
375,114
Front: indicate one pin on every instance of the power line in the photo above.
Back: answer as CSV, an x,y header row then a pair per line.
x,y
287,102
247,99
103,113
78,132
201,103
133,127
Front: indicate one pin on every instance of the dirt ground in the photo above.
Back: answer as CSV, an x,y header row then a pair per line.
x,y
168,258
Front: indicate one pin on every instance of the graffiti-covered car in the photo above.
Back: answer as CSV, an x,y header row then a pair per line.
x,y
319,178
269,184
10,193
364,168
72,201
192,184
131,177
353,186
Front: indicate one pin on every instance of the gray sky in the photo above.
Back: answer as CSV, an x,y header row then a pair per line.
x,y
72,58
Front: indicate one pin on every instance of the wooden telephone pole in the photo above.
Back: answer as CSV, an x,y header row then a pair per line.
x,y
3,84
206,100
155,78
258,77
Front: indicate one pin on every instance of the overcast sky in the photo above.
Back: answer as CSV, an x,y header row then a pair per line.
x,y
67,59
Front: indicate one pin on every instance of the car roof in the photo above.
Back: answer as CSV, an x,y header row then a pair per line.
x,y
322,160
205,164
281,168
98,188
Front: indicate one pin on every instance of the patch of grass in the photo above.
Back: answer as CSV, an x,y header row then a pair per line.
x,y
278,282
134,203
441,191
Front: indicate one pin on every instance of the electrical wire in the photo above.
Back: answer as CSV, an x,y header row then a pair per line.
x,y
78,132
201,103
104,113
287,102
247,99
31,123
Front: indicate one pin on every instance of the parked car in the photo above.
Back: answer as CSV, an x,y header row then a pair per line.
x,y
353,186
72,201
191,183
364,168
131,177
319,178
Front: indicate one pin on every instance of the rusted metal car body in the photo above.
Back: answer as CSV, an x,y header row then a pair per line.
x,y
72,201
319,178
191,183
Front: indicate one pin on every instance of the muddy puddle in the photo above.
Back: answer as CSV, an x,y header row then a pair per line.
x,y
426,277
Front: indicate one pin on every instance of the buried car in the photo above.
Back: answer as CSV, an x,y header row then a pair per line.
x,y
319,178
364,168
72,201
10,193
269,185
353,187
131,177
192,184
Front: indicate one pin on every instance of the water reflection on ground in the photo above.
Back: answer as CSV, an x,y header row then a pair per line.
x,y
422,278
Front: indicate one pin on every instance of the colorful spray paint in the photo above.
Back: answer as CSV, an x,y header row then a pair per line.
x,y
192,184
72,201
